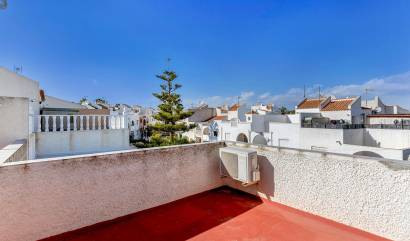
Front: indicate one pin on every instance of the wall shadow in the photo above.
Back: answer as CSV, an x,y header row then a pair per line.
x,y
267,182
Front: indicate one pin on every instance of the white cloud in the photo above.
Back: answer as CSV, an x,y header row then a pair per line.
x,y
394,89
264,96
245,96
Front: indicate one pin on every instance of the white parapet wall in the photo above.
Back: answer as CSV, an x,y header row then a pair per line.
x,y
50,144
59,135
367,193
46,197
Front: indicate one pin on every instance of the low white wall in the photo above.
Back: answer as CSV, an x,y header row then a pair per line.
x,y
344,141
47,197
387,138
368,193
14,152
78,142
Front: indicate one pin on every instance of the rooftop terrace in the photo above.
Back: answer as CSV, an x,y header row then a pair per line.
x,y
177,193
219,214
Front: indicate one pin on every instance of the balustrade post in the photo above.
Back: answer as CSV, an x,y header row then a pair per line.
x,y
108,119
54,128
61,123
98,123
74,122
46,119
121,122
81,123
38,123
69,123
87,123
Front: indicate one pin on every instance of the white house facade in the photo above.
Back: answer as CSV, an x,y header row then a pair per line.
x,y
42,127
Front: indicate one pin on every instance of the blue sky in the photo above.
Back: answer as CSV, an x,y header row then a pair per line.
x,y
263,50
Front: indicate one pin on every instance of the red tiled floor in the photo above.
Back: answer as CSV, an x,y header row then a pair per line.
x,y
220,214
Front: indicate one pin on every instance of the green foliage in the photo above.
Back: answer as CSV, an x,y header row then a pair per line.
x,y
171,113
83,100
283,110
3,4
101,100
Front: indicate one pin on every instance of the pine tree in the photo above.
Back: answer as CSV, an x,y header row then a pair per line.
x,y
171,112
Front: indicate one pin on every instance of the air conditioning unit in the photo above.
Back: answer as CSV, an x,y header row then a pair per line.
x,y
240,164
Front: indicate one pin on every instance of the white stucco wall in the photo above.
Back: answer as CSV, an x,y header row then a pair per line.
x,y
77,142
312,110
15,85
367,193
387,138
14,119
47,197
386,120
260,123
284,134
338,115
230,130
389,144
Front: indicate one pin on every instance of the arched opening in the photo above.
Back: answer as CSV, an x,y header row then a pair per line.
x,y
367,153
259,140
205,131
242,138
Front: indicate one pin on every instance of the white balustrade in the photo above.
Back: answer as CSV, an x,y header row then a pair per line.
x,y
62,123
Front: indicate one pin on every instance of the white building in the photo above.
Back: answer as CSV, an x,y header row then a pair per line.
x,y
35,125
338,126
346,110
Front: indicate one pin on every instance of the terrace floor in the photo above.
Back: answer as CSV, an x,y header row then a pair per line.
x,y
219,214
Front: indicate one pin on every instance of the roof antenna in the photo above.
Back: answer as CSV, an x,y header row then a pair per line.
x,y
168,63
18,69
304,91
239,97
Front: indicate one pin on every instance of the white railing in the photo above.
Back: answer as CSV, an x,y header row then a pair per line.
x,y
61,123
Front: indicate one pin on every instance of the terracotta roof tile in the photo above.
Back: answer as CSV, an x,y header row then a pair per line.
x,y
310,103
235,107
219,117
338,105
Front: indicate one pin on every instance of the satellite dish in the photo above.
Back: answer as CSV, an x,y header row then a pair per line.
x,y
3,4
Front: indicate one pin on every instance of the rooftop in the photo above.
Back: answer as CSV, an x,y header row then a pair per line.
x,y
219,214
338,104
310,103
178,193
235,107
219,117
